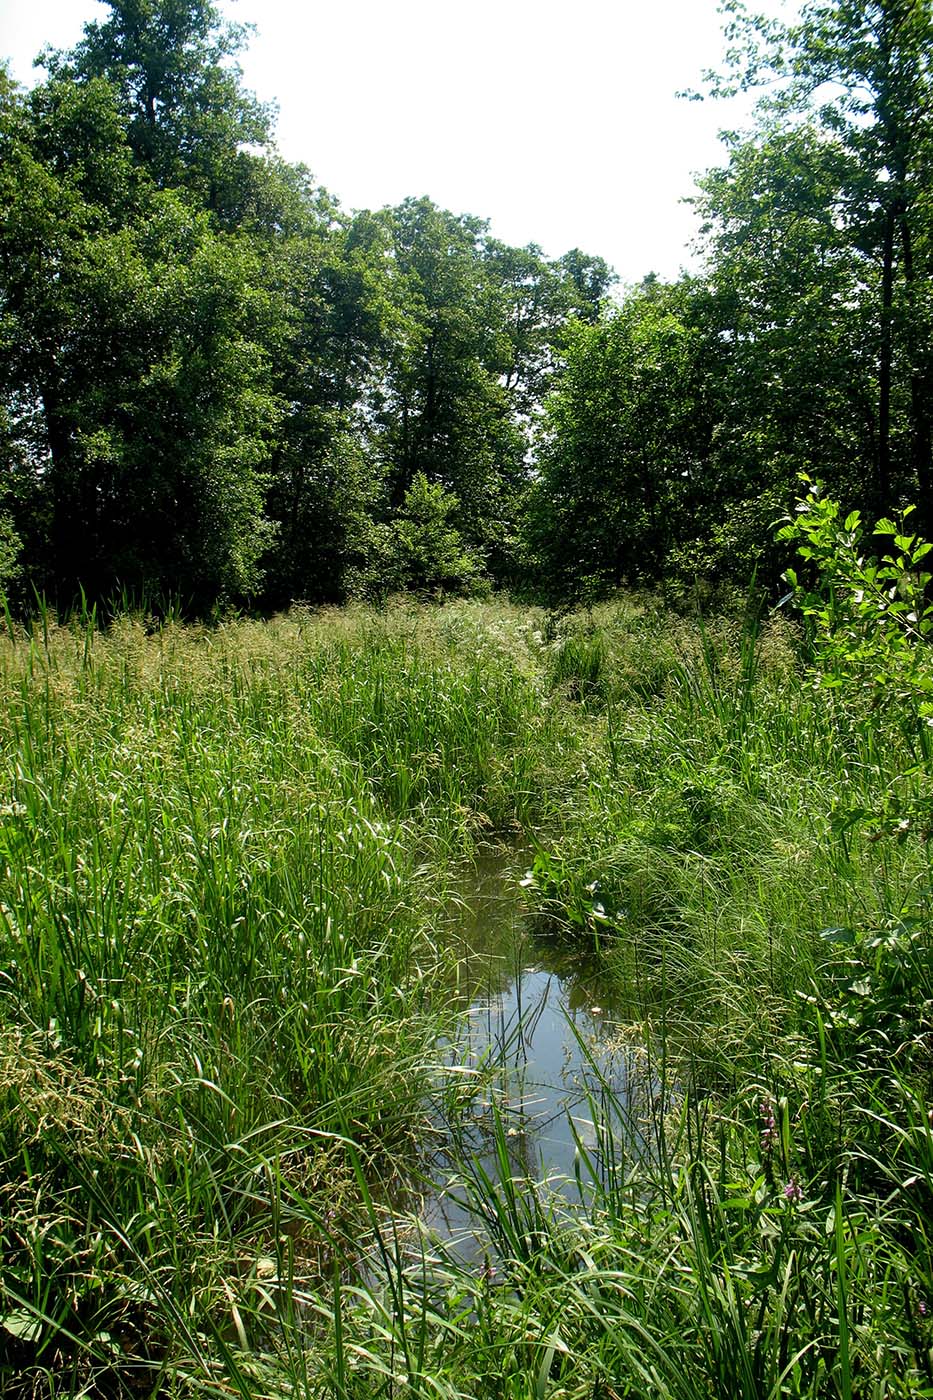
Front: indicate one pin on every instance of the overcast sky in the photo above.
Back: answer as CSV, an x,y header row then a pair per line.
x,y
558,122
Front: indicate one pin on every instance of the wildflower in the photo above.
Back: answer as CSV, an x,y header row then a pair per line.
x,y
793,1191
769,1132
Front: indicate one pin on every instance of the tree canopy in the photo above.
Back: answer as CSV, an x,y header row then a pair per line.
x,y
217,385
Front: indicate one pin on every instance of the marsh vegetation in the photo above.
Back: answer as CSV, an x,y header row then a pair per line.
x,y
233,875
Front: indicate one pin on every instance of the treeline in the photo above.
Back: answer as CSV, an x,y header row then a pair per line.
x,y
217,386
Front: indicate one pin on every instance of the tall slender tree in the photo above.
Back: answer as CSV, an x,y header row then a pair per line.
x,y
863,70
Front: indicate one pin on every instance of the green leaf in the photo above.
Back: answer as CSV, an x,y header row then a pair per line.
x,y
23,1325
837,934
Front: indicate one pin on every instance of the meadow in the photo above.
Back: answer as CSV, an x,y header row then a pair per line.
x,y
228,862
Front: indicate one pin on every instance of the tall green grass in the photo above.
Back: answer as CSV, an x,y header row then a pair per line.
x,y
760,1226
227,860
703,843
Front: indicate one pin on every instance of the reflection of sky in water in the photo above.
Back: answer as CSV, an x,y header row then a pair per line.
x,y
537,1018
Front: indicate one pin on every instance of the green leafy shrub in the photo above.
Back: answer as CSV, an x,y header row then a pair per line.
x,y
870,619
870,626
428,552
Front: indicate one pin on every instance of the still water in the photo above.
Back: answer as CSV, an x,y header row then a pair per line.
x,y
541,1037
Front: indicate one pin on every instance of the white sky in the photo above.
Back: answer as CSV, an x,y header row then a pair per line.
x,y
555,121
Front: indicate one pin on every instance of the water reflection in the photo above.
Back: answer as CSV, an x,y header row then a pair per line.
x,y
542,1036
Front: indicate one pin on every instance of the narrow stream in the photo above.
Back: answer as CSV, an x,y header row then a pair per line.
x,y
540,1033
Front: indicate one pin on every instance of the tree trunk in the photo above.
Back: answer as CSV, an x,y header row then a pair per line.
x,y
885,358
68,534
921,435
